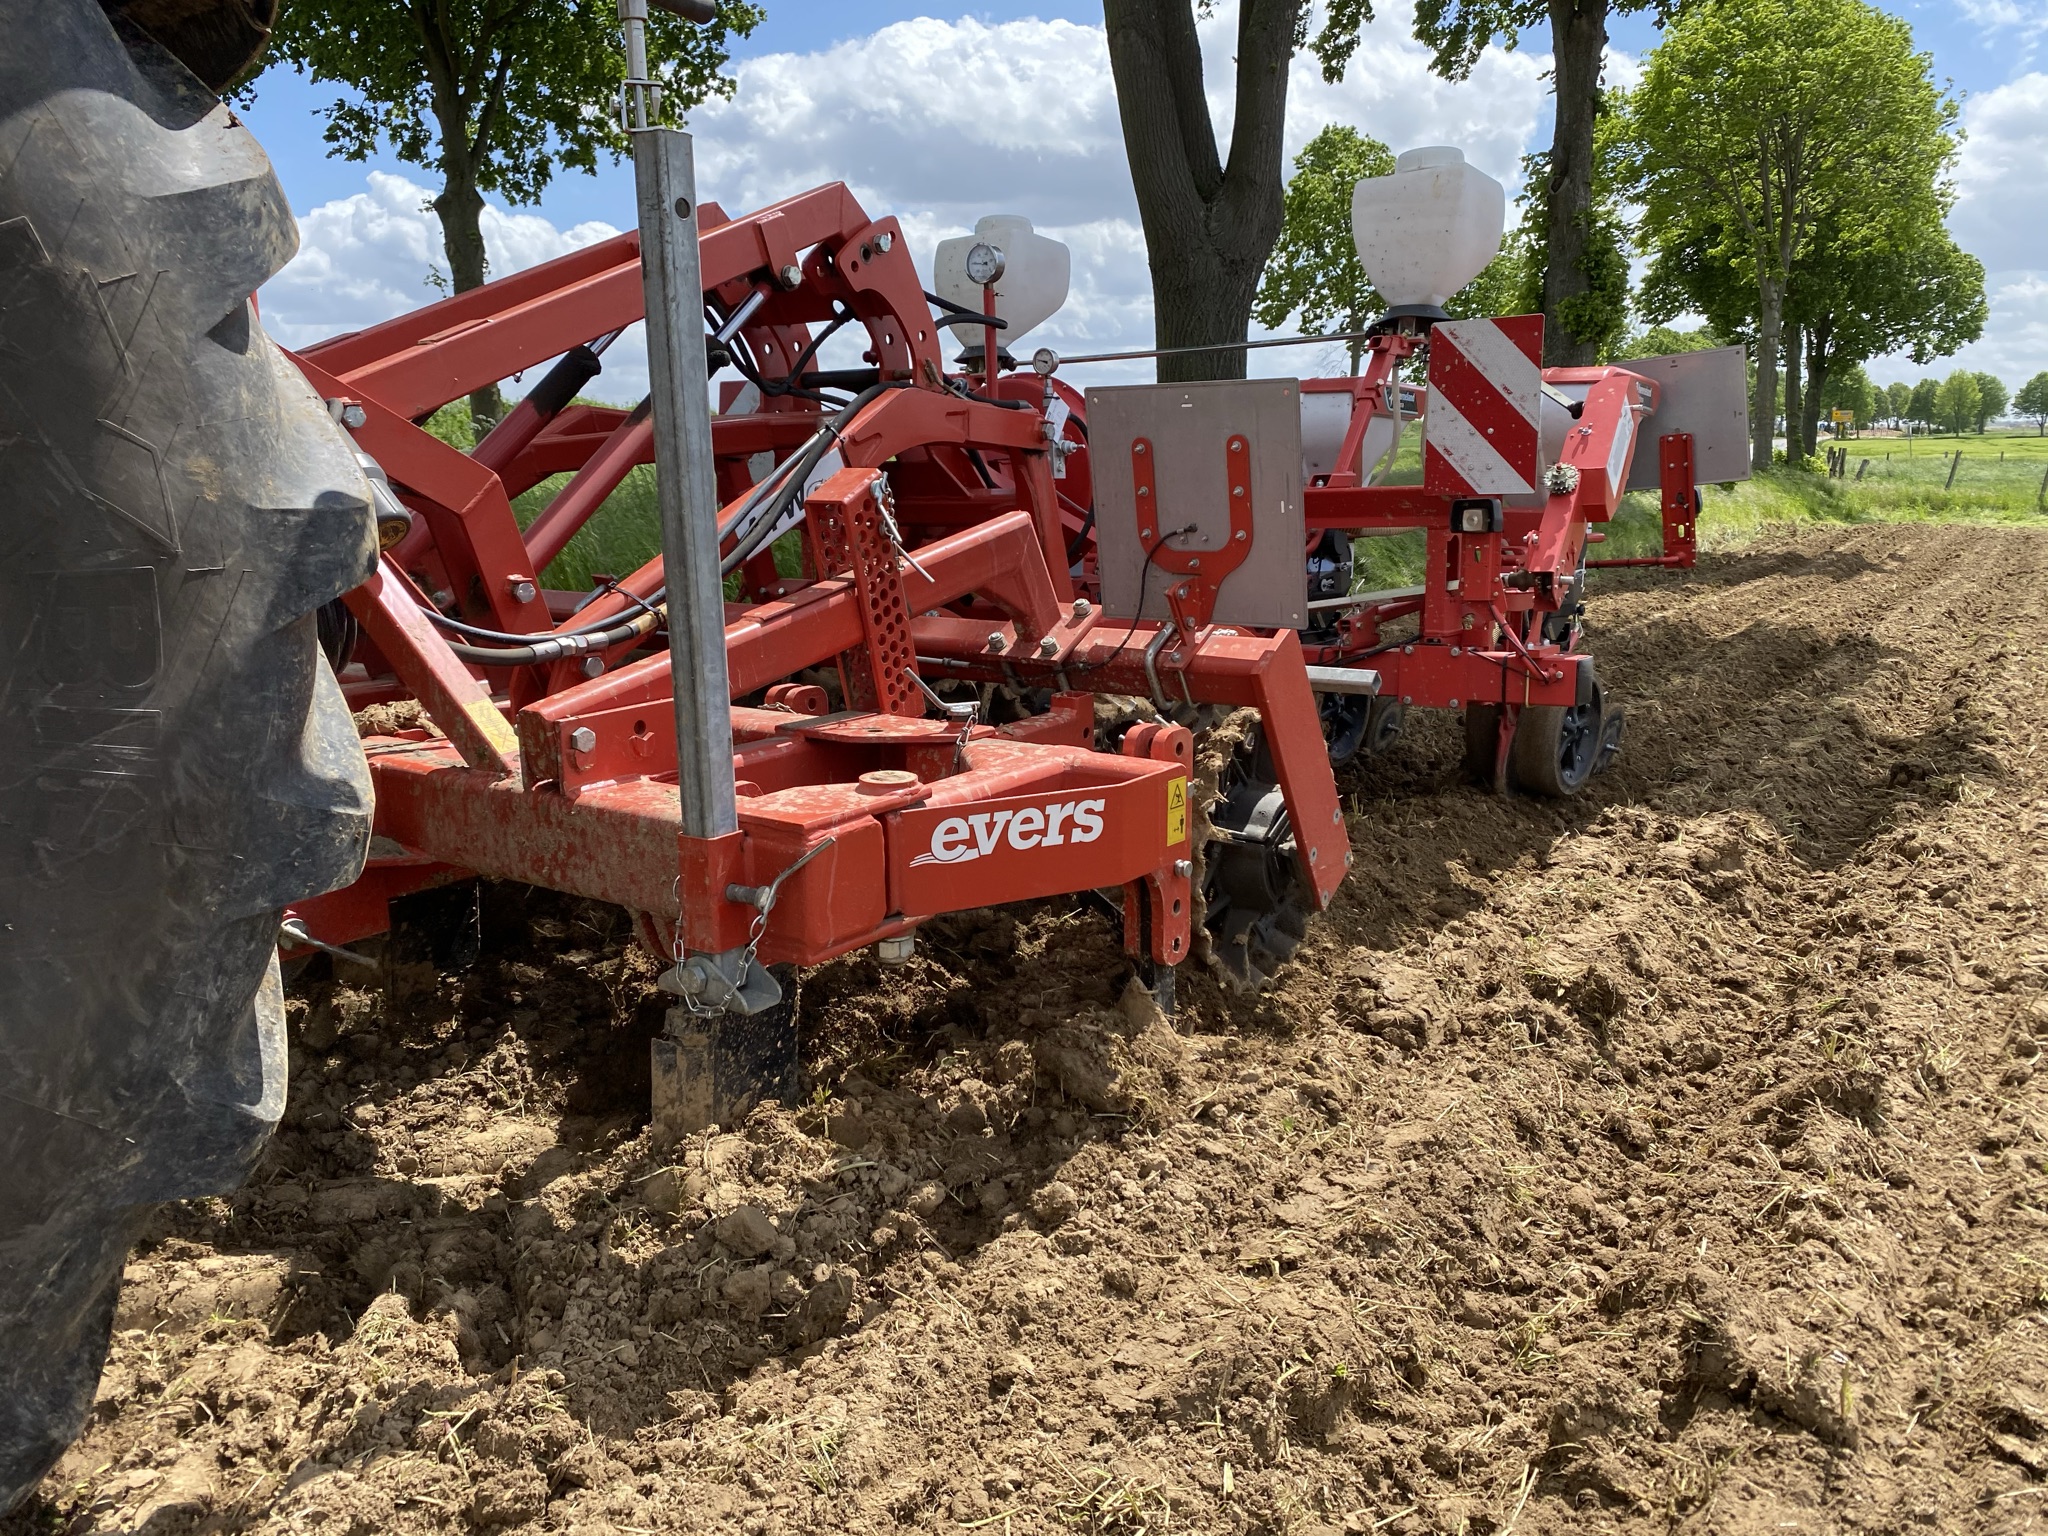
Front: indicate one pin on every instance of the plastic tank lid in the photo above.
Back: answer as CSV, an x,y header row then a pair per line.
x,y
1432,158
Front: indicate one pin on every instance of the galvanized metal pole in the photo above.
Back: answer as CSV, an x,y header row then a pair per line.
x,y
664,175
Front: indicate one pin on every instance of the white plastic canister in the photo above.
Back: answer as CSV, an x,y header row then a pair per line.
x,y
1037,272
1427,230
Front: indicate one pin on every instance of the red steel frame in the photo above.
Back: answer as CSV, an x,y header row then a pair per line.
x,y
551,776
544,775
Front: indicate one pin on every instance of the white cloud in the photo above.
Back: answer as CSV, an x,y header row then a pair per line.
x,y
369,257
2001,218
2001,212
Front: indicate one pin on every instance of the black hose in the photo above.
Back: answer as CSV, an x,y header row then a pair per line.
x,y
960,314
805,460
556,646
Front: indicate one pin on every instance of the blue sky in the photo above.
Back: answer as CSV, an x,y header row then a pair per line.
x,y
940,115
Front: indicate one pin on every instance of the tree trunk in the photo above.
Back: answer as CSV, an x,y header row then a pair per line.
x,y
1764,415
1578,40
460,207
1209,227
1795,415
1817,370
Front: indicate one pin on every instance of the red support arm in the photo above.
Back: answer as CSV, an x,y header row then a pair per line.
x,y
390,612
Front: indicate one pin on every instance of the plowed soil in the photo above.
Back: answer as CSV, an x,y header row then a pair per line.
x,y
1670,1158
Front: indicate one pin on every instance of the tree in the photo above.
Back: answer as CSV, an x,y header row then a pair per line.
x,y
1898,399
490,95
1922,407
2032,400
1314,271
1991,399
1767,121
1849,302
1662,341
1580,249
1955,402
1849,389
1209,223
1510,284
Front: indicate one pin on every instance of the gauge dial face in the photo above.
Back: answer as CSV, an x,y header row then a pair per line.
x,y
984,263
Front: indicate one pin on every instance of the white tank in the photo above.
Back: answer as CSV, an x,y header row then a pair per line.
x,y
1037,271
1430,228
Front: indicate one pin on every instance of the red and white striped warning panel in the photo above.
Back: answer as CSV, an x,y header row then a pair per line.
x,y
1485,392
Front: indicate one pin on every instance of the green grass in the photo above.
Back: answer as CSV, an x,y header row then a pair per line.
x,y
1907,486
2000,472
624,534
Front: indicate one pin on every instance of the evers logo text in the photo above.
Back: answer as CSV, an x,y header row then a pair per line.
x,y
959,839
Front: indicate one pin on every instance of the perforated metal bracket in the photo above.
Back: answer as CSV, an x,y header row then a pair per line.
x,y
1200,571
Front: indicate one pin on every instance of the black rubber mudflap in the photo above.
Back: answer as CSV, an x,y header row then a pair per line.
x,y
175,760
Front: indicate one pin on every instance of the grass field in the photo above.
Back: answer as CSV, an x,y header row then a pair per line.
x,y
1999,481
623,536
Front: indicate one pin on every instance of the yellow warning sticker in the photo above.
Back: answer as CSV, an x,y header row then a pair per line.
x,y
1177,811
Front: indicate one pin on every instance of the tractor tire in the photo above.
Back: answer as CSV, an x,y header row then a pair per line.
x,y
176,761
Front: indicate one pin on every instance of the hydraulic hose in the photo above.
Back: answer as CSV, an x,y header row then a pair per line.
x,y
528,650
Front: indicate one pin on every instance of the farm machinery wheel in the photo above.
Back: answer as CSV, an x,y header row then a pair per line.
x,y
1256,903
1354,724
176,762
1556,747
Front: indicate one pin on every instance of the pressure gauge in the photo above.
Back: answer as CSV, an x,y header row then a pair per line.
x,y
1045,361
984,263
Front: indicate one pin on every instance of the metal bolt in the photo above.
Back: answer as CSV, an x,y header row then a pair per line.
x,y
1407,698
522,589
896,950
1082,607
1312,854
792,275
1337,817
1454,650
353,416
1047,645
583,739
997,643
1407,650
884,241
1454,703
1184,867
593,666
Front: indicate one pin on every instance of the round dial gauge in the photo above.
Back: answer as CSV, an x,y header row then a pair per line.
x,y
984,263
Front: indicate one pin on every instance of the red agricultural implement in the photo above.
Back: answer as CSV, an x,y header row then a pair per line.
x,y
775,768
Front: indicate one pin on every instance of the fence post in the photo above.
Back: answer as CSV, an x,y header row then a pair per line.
x,y
2041,499
1954,464
1862,467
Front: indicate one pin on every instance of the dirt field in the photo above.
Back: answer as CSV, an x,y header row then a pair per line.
x,y
1672,1158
